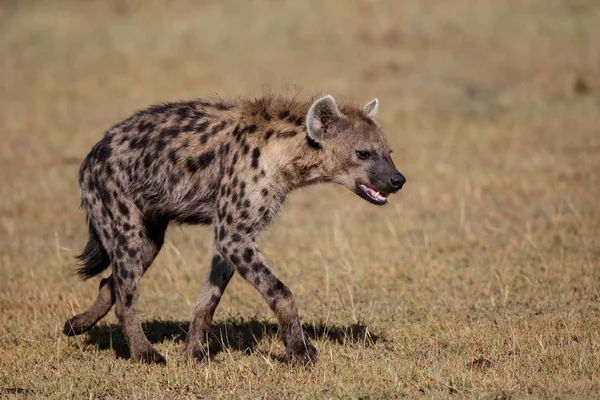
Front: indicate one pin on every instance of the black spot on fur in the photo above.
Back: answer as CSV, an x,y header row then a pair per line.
x,y
252,128
299,121
246,149
122,240
281,288
139,142
270,133
128,300
257,267
216,268
218,128
173,156
108,170
201,162
161,144
202,127
255,157
248,254
283,114
236,237
105,194
234,259
287,134
264,192
147,160
243,270
170,133
102,150
146,127
123,209
222,233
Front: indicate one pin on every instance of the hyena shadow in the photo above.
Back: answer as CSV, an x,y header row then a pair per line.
x,y
231,334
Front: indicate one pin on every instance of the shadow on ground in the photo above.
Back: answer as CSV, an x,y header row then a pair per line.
x,y
232,334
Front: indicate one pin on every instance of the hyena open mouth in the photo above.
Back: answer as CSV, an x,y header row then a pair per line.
x,y
372,195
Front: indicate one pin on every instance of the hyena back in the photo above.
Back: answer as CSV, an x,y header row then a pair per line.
x,y
225,164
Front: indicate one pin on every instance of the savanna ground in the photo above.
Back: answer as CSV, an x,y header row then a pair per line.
x,y
480,279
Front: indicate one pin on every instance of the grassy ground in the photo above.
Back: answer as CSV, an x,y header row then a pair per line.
x,y
480,279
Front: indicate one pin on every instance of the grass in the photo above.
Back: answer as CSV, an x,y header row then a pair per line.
x,y
480,279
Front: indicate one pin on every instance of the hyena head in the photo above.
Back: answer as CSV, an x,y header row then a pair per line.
x,y
357,147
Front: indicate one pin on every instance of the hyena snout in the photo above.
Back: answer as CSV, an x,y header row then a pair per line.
x,y
397,180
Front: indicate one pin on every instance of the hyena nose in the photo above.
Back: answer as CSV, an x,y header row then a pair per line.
x,y
397,181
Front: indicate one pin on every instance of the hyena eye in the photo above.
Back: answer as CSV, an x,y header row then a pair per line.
x,y
363,154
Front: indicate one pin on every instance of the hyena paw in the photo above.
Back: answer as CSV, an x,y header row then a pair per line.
x,y
196,351
77,325
302,353
150,356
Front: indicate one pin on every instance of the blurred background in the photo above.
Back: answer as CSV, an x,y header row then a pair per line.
x,y
492,109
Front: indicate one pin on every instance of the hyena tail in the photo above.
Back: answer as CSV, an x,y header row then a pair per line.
x,y
94,258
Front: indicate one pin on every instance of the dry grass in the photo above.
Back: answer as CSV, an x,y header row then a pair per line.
x,y
482,277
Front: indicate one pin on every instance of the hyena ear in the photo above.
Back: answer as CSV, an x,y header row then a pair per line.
x,y
371,108
321,117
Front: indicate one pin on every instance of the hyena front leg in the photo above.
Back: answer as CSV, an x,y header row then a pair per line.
x,y
218,276
240,250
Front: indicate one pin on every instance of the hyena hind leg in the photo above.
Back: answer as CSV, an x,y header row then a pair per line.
x,y
83,322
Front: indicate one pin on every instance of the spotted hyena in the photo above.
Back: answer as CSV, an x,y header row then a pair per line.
x,y
225,164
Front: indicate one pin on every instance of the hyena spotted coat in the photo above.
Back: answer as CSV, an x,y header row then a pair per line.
x,y
225,164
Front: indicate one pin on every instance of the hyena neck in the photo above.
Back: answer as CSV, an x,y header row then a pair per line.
x,y
309,164
294,160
